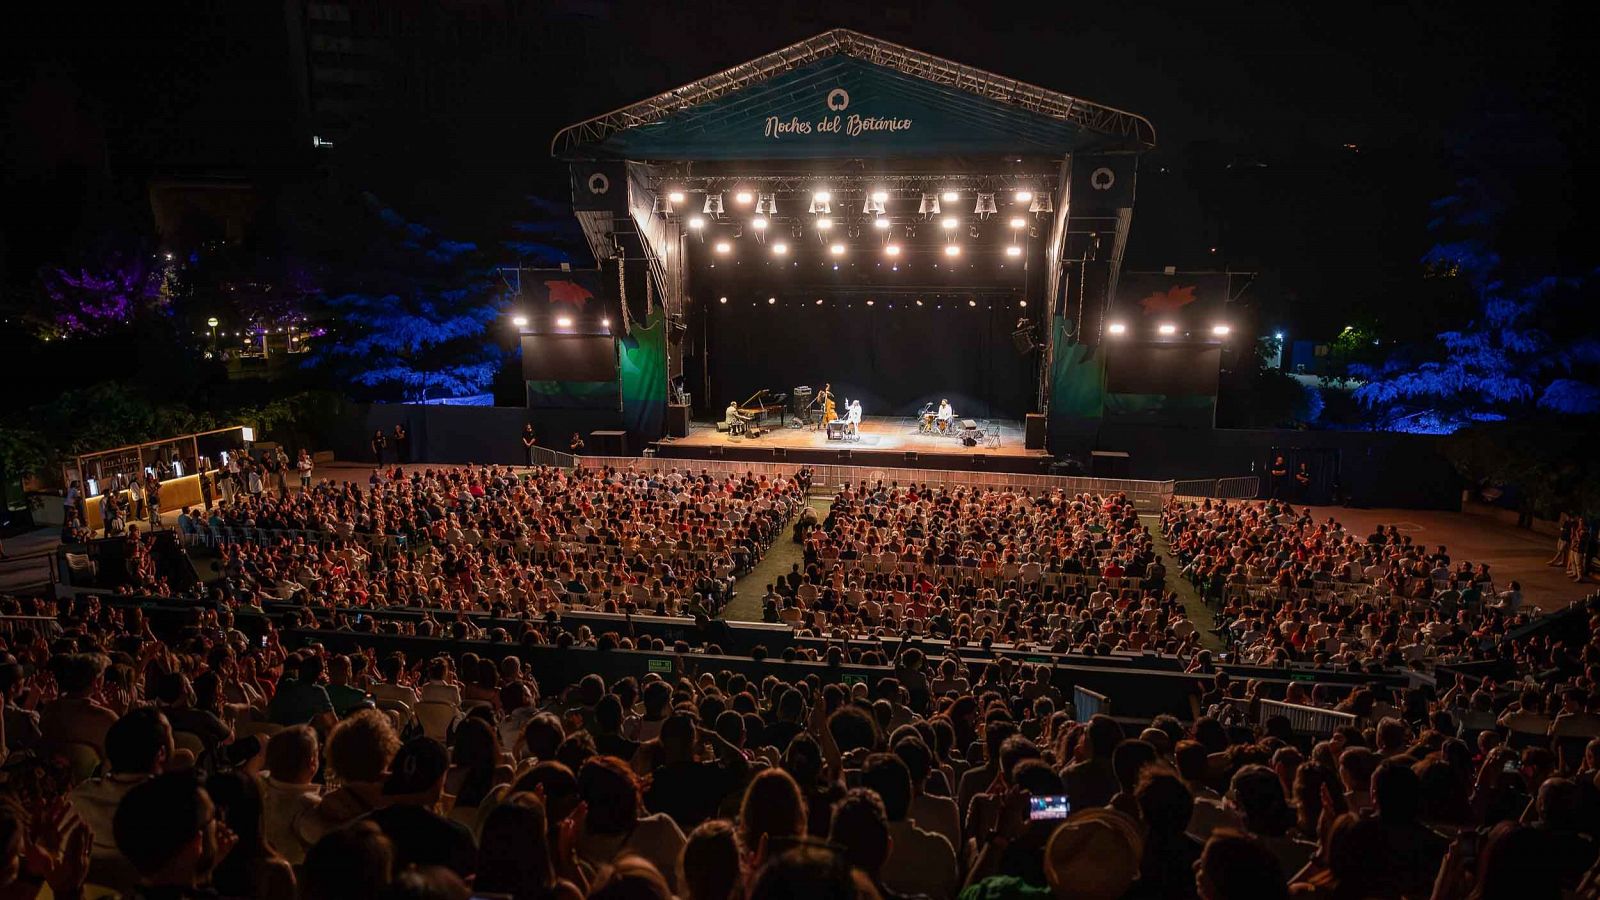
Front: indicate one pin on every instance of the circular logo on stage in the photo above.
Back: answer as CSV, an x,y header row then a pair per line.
x,y
599,183
838,99
1102,179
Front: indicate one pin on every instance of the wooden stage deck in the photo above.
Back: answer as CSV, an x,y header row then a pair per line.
x,y
884,441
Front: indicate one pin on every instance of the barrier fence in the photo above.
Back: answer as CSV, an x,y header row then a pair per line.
x,y
1310,720
1246,487
1087,704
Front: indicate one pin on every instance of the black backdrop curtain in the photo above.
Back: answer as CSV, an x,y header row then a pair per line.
x,y
892,358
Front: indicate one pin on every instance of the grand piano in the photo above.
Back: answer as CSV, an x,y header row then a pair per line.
x,y
763,404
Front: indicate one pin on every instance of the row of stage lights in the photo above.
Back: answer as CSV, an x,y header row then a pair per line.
x,y
875,205
1165,329
772,301
521,321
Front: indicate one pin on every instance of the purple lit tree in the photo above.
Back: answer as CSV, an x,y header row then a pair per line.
x,y
105,293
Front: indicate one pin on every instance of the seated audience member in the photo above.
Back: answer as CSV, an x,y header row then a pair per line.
x,y
352,863
1235,866
409,815
712,866
516,857
289,796
615,824
172,835
919,862
138,748
359,752
252,868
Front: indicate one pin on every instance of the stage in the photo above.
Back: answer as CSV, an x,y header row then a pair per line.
x,y
883,441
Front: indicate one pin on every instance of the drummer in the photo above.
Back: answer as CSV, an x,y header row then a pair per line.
x,y
945,415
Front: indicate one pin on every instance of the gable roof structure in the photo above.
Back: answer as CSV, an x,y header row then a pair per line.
x,y
843,94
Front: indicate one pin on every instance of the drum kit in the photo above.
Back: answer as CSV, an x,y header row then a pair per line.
x,y
967,430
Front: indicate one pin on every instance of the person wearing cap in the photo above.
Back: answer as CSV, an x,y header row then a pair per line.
x,y
410,818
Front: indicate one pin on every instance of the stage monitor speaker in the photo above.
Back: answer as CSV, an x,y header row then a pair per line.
x,y
608,443
1110,464
1033,432
677,420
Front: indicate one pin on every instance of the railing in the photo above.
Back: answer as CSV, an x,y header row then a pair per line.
x,y
45,627
544,456
1144,494
1310,720
1087,704
1246,487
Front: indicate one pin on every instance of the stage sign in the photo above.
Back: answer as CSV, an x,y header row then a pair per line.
x,y
1189,300
600,187
1102,184
847,107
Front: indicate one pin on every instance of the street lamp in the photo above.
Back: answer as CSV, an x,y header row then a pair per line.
x,y
212,323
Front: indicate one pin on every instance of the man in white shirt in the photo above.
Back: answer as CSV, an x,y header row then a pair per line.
x,y
288,797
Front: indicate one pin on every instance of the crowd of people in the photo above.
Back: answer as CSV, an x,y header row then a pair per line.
x,y
1293,589
207,763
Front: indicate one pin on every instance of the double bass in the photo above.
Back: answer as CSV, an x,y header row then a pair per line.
x,y
825,397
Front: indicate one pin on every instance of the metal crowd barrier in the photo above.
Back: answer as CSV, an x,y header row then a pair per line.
x,y
1087,704
1310,720
1246,487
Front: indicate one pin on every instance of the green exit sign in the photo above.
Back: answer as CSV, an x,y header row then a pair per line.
x,y
661,665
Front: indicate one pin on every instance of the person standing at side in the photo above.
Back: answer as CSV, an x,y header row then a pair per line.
x,y
379,442
529,441
304,464
402,444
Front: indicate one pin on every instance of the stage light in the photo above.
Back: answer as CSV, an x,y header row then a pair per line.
x,y
1168,329
759,223
697,222
1278,335
880,196
881,223
822,196
950,223
675,196
742,198
952,249
563,322
819,301
1117,328
891,250
771,300
1018,222
724,247
1024,196
837,249
872,206
713,206
1022,303
1041,204
929,205
820,205
824,224
605,323
950,197
1013,250
985,205
520,321
723,299
919,302
1220,330
869,302
780,249
972,303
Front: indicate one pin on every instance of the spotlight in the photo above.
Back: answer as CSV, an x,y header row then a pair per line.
x,y
605,323
919,302
819,204
837,249
1117,328
1168,329
869,302
950,196
824,224
950,223
985,205
520,321
952,249
881,223
742,198
1018,222
891,250
880,196
713,205
822,196
724,248
723,299
675,196
819,301
1024,196
929,205
1041,204
871,207
1013,250
972,303
780,249
771,300
759,223
767,203
563,322
1022,303
696,222
1220,330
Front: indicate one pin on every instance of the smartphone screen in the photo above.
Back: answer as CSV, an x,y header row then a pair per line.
x,y
1048,806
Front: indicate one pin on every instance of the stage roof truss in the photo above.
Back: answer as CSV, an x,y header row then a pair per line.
x,y
568,142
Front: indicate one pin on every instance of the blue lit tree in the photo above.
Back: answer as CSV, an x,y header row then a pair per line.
x,y
1531,350
411,321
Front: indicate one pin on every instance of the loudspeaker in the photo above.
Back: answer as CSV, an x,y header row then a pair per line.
x,y
1033,431
677,420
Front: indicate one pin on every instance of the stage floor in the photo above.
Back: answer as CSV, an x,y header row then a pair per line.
x,y
1002,437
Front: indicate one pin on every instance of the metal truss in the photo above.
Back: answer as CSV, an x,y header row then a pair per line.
x,y
896,186
937,70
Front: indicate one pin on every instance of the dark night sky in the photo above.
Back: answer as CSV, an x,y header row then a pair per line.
x,y
205,87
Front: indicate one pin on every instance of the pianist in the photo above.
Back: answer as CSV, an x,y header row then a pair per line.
x,y
733,419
